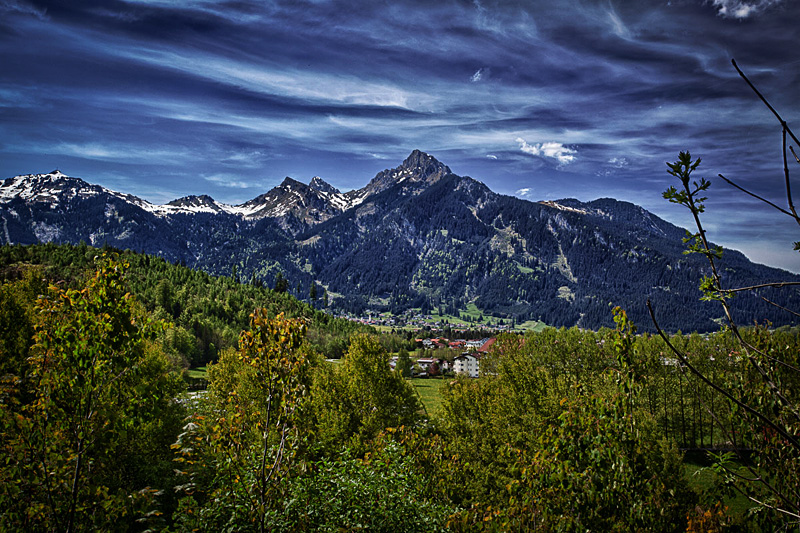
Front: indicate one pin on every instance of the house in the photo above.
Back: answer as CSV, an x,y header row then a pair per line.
x,y
425,363
433,365
487,345
467,363
431,344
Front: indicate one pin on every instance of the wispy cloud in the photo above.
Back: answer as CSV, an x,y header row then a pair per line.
x,y
22,7
615,164
491,156
618,27
117,152
228,180
742,9
524,192
272,79
478,76
553,150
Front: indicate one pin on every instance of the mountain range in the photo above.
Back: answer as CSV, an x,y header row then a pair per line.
x,y
416,236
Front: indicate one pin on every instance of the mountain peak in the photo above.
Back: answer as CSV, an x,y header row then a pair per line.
x,y
424,164
201,203
289,183
322,185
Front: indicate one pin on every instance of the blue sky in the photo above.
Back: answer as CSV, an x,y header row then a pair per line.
x,y
541,100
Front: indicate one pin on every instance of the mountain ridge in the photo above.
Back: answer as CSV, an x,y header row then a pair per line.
x,y
415,236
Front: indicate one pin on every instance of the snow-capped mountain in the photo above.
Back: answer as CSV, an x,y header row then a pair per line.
x,y
415,236
323,186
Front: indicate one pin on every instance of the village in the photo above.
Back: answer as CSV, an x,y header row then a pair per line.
x,y
467,363
413,320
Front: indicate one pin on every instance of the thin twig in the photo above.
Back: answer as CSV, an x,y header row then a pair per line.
x,y
786,175
778,509
780,307
717,388
775,285
749,351
757,197
783,122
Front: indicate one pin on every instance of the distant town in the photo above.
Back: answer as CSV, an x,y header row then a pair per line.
x,y
413,320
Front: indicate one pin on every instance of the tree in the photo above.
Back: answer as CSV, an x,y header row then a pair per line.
x,y
360,397
764,401
71,425
403,363
240,451
312,292
383,492
589,461
281,283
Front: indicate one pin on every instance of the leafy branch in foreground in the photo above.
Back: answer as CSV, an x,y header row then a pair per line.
x,y
764,403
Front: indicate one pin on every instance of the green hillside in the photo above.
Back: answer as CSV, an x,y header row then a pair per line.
x,y
208,312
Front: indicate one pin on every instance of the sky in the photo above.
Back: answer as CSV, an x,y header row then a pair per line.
x,y
538,99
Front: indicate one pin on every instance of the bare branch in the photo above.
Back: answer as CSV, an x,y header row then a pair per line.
x,y
790,438
786,175
757,197
780,307
776,285
766,103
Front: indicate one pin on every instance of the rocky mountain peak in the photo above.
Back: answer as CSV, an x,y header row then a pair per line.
x,y
323,186
424,164
418,168
49,188
291,183
193,199
192,202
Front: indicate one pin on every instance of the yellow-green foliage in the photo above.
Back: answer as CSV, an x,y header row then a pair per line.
x,y
239,451
92,400
357,399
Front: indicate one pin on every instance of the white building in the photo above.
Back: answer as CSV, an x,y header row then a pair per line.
x,y
468,364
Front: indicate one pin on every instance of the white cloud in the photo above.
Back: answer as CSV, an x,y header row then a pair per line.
x,y
553,150
615,164
116,151
478,76
228,180
741,9
491,156
526,191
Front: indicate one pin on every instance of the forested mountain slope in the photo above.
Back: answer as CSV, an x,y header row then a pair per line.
x,y
416,236
208,312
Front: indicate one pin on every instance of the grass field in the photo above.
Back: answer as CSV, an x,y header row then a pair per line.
x,y
702,479
429,392
198,373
